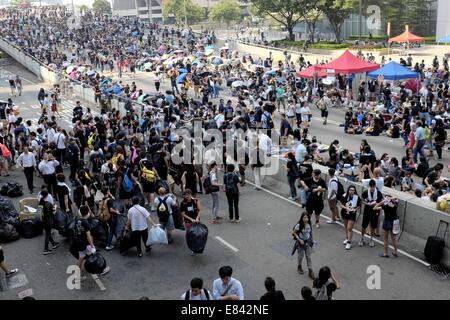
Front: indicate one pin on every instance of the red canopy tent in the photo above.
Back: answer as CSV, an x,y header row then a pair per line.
x,y
347,63
310,72
407,37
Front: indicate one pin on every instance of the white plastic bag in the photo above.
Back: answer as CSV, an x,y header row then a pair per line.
x,y
157,235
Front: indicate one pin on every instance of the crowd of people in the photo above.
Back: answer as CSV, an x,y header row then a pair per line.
x,y
124,162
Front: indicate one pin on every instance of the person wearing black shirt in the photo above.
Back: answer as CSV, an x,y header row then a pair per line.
x,y
48,212
371,197
272,295
315,187
387,97
389,206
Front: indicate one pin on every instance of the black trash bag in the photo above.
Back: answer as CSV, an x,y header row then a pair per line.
x,y
11,189
98,230
70,228
95,263
15,190
8,213
177,218
127,241
196,237
8,233
120,226
60,222
30,228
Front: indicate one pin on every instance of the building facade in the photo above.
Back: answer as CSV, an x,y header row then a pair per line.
x,y
144,9
443,19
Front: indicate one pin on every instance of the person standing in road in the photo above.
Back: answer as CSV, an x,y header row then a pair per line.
x,y
371,197
19,85
215,186
48,169
164,203
226,287
302,233
292,174
138,219
8,272
60,142
389,206
315,186
333,185
27,162
12,85
350,204
48,212
231,180
197,292
419,137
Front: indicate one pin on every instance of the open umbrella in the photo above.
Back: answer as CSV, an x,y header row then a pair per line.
x,y
237,84
53,66
81,69
217,61
413,85
182,70
70,69
117,90
66,64
270,73
209,52
181,77
90,73
73,75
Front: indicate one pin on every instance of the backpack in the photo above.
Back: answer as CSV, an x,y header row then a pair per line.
x,y
340,190
127,184
147,174
163,209
96,163
187,296
207,185
91,141
5,151
270,123
321,293
230,186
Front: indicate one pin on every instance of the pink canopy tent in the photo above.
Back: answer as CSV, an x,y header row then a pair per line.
x,y
348,63
310,72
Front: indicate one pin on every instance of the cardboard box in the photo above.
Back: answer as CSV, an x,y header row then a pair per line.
x,y
351,171
24,214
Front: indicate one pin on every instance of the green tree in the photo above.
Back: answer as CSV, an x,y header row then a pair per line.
x,y
337,11
182,9
311,16
102,6
286,12
225,11
83,8
21,3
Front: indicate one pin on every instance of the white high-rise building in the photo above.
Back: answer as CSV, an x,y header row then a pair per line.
x,y
443,19
144,9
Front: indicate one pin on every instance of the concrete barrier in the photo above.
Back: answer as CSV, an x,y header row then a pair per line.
x,y
419,218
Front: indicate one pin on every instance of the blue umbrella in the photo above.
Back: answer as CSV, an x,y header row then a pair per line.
x,y
117,90
183,70
270,73
181,77
135,33
217,61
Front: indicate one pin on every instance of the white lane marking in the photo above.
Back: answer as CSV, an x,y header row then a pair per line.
x,y
226,244
98,282
426,264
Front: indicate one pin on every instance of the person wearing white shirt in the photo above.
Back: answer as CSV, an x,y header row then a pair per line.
x,y
226,287
138,220
27,162
48,169
60,141
197,292
220,119
50,134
